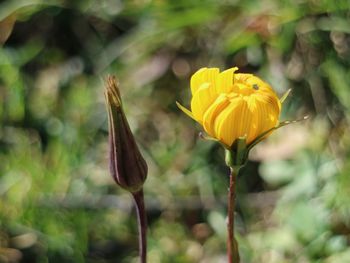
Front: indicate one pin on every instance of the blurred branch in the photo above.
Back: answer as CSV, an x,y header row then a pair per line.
x,y
125,203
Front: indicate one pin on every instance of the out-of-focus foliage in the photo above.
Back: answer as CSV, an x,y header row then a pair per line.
x,y
58,202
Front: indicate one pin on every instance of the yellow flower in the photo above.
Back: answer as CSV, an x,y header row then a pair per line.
x,y
233,105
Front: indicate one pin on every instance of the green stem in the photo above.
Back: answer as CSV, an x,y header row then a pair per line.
x,y
142,223
232,246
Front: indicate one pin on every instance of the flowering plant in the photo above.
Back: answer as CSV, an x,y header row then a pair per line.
x,y
238,110
127,166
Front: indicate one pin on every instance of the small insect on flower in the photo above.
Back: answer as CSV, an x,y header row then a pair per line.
x,y
127,166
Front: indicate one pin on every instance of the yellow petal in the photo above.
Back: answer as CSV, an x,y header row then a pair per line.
x,y
259,112
204,75
272,102
201,100
225,80
196,79
212,112
244,119
268,114
227,122
255,125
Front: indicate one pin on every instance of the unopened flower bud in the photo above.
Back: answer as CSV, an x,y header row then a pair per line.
x,y
127,166
238,110
231,105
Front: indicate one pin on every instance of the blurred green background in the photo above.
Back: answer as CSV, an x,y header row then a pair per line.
x,y
58,202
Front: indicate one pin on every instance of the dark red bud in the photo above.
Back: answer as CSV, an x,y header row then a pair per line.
x,y
127,165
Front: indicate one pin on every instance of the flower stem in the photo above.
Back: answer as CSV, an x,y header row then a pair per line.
x,y
232,247
142,222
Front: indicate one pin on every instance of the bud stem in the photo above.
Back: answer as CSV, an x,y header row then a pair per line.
x,y
232,246
142,223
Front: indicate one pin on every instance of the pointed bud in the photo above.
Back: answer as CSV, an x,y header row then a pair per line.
x,y
127,165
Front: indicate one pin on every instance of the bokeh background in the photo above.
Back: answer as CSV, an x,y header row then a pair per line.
x,y
58,202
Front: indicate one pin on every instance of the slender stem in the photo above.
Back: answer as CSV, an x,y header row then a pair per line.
x,y
232,247
142,222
